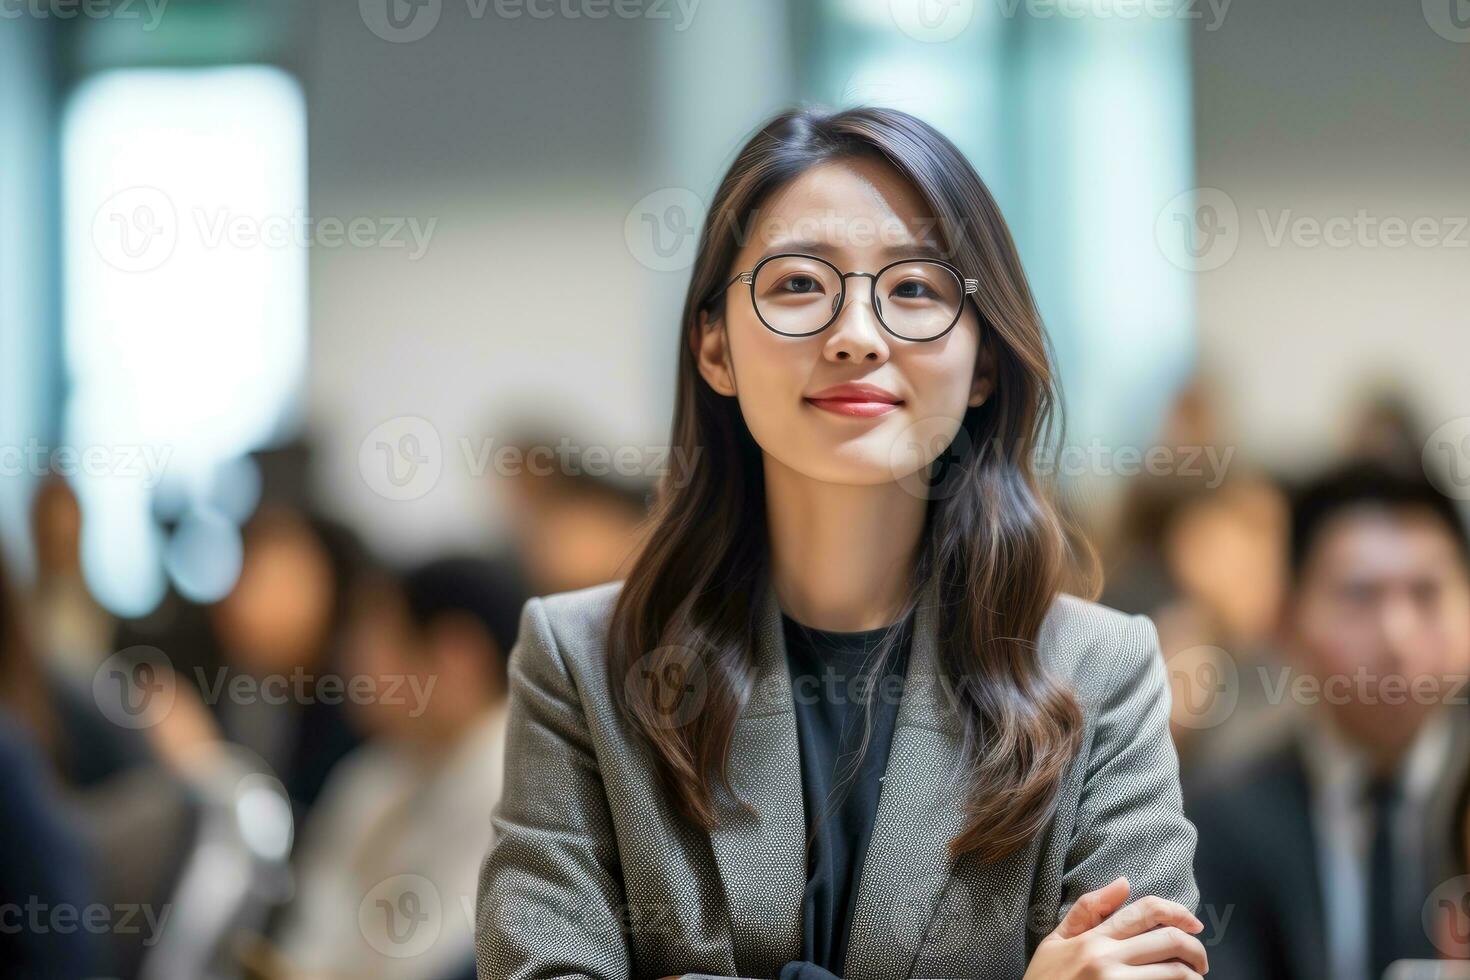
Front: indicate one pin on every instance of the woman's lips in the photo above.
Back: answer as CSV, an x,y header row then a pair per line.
x,y
862,408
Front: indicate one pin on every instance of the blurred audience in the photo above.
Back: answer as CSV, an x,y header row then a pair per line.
x,y
109,796
139,746
1201,550
1318,853
405,818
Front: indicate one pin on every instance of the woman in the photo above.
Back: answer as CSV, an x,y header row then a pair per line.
x,y
838,718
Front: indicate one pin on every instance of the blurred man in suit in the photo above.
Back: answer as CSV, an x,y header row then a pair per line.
x,y
1316,857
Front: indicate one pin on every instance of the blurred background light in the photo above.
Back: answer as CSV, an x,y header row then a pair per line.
x,y
203,556
1080,123
185,289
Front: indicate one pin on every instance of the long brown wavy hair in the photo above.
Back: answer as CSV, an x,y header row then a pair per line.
x,y
995,548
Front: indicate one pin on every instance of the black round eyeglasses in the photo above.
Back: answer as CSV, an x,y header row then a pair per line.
x,y
798,295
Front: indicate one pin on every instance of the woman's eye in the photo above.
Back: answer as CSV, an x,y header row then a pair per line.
x,y
801,284
913,289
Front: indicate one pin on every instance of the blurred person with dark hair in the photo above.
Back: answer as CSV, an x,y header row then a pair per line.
x,y
404,818
110,796
1385,429
1199,548
1223,552
281,626
72,631
572,525
68,636
45,870
1132,540
45,863
1316,857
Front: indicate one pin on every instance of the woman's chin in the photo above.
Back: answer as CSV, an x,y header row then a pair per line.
x,y
865,461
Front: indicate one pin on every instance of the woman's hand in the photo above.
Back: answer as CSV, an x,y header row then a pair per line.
x,y
1100,940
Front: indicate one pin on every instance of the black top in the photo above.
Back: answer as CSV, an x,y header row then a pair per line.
x,y
835,689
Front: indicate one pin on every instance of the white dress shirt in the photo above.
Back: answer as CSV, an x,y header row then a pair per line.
x,y
389,862
1342,823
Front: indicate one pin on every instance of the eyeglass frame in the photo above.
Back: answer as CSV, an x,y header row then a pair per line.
x,y
970,286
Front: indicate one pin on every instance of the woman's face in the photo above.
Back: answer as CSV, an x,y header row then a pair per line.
x,y
860,215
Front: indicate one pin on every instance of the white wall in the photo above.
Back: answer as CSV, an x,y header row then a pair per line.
x,y
1319,109
529,141
519,139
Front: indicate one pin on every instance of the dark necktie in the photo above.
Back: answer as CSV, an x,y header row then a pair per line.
x,y
1381,794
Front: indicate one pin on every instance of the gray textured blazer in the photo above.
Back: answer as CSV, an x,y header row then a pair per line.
x,y
593,874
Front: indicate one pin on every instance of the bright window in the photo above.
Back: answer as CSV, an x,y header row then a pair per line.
x,y
185,295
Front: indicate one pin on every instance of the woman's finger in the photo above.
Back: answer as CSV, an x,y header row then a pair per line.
x,y
1163,971
1147,913
1162,945
1089,911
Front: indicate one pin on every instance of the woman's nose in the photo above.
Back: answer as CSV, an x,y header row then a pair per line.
x,y
856,335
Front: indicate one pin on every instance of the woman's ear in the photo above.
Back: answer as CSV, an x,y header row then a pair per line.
x,y
712,351
982,386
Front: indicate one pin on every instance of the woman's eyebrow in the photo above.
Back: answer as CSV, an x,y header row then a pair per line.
x,y
902,250
915,250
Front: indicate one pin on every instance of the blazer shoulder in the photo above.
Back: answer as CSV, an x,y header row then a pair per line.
x,y
1089,644
581,608
576,622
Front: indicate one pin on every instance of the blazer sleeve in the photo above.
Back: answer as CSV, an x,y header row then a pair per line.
x,y
550,887
1130,819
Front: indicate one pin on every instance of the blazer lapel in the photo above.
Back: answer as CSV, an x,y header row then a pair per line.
x,y
761,853
920,810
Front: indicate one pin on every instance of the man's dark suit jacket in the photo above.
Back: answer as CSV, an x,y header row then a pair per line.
x,y
1256,865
